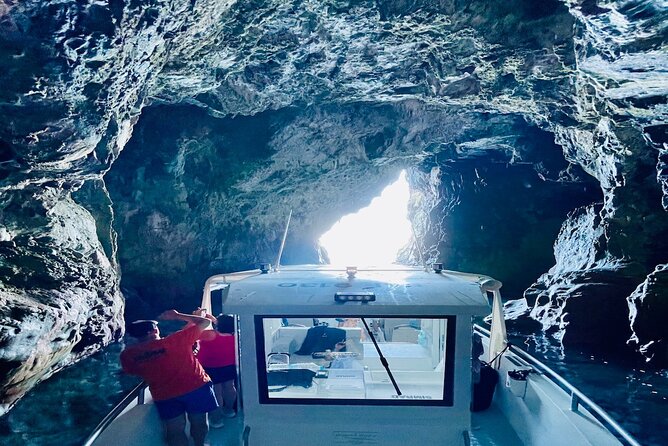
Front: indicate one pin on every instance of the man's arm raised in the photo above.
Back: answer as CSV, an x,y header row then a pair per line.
x,y
173,315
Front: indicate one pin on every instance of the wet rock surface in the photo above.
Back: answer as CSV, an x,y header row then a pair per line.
x,y
148,145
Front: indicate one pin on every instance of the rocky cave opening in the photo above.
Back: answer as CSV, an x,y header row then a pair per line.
x,y
491,208
149,146
374,235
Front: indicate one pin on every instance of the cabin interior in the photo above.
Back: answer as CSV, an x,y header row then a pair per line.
x,y
414,349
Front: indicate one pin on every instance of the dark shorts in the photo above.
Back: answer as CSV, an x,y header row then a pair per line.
x,y
221,374
200,400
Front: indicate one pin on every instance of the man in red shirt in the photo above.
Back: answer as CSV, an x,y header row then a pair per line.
x,y
175,378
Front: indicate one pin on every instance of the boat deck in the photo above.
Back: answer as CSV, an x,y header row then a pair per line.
x,y
489,428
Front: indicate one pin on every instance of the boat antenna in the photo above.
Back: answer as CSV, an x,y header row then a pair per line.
x,y
280,251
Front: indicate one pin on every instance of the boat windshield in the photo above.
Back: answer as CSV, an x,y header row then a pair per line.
x,y
355,360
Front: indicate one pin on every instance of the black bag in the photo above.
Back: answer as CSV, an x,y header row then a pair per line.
x,y
290,377
483,391
321,338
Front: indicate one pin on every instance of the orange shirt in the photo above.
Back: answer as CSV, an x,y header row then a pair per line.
x,y
168,364
217,352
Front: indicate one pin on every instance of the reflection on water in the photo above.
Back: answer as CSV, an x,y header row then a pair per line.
x,y
634,394
63,410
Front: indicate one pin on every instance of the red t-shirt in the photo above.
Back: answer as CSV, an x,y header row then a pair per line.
x,y
217,352
168,364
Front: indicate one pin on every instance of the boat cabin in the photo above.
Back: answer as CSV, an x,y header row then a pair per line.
x,y
356,356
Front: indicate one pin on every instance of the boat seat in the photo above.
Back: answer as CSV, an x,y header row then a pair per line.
x,y
405,333
390,323
299,322
290,339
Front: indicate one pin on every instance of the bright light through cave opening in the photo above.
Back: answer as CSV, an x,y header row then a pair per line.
x,y
375,234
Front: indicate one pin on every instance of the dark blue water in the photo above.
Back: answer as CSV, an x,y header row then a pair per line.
x,y
63,410
634,393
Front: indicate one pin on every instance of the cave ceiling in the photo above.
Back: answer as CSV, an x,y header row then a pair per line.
x,y
147,145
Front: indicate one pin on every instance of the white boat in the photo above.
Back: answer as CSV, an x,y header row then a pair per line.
x,y
403,374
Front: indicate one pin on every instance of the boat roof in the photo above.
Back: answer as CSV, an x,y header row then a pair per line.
x,y
398,290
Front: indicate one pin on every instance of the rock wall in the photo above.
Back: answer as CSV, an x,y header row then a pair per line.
x,y
59,295
169,139
74,76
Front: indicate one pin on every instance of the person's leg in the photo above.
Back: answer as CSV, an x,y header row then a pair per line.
x,y
228,377
216,416
172,414
198,428
229,396
175,431
218,389
199,403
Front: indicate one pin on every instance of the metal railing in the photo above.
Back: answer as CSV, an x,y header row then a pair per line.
x,y
577,398
137,393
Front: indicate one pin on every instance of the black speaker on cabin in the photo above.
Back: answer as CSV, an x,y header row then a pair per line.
x,y
483,391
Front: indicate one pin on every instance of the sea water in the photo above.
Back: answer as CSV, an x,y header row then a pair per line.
x,y
64,409
633,392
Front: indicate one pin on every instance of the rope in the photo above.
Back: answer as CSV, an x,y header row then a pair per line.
x,y
508,345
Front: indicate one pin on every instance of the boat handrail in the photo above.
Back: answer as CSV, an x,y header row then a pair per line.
x,y
225,278
136,393
577,398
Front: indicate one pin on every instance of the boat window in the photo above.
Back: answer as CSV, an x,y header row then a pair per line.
x,y
355,360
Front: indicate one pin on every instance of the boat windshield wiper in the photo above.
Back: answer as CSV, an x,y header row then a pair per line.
x,y
382,358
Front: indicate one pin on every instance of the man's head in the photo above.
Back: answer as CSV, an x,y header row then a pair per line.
x,y
143,328
225,323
